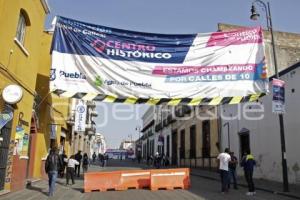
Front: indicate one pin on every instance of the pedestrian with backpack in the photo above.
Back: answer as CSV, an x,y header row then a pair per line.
x,y
248,163
85,162
53,163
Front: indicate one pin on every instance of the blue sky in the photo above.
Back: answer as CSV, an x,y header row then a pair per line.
x,y
167,16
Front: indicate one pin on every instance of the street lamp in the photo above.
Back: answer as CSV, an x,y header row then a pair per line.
x,y
255,16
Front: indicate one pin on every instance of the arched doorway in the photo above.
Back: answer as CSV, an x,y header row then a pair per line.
x,y
244,140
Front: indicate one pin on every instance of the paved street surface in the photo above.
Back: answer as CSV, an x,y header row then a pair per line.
x,y
202,188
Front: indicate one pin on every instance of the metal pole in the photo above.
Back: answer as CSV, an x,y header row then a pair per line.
x,y
281,120
228,135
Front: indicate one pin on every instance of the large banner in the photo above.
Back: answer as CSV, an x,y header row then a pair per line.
x,y
96,62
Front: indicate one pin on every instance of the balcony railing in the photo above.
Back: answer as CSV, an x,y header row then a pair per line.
x,y
90,126
158,127
150,133
91,104
91,132
94,113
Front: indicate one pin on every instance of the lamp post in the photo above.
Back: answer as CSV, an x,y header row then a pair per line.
x,y
228,136
255,16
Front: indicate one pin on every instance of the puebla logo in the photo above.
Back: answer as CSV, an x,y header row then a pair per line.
x,y
52,74
80,109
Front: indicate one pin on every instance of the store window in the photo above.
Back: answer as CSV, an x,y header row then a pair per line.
x,y
182,143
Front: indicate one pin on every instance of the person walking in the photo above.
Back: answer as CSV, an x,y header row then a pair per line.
x,y
101,159
53,163
71,164
94,156
224,159
62,157
105,160
232,170
167,160
157,160
163,160
139,157
85,162
248,163
78,157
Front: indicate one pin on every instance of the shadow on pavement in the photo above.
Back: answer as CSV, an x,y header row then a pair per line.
x,y
80,189
38,189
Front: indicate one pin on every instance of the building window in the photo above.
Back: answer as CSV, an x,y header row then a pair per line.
x,y
168,146
206,139
21,28
193,141
182,143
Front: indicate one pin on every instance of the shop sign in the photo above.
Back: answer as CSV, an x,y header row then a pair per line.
x,y
12,94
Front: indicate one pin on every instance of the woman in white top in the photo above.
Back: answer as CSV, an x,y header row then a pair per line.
x,y
71,162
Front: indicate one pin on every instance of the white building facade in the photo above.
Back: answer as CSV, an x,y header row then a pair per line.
x,y
98,144
256,127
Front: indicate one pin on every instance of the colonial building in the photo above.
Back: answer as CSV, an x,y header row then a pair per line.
x,y
20,60
147,139
256,127
81,140
187,135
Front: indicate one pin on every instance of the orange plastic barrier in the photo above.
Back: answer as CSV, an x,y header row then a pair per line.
x,y
137,179
102,181
170,179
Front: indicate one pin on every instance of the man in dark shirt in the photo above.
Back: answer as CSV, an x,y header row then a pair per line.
x,y
62,157
78,157
53,163
232,170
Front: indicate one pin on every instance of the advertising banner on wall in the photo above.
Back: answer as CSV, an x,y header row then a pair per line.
x,y
5,118
22,141
278,96
53,130
25,147
80,116
99,63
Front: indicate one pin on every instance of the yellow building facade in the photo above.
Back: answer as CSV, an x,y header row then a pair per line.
x,y
25,62
53,112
